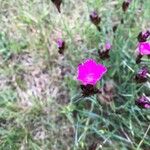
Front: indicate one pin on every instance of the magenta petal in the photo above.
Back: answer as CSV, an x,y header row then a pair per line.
x,y
89,72
81,72
101,70
144,48
60,43
147,106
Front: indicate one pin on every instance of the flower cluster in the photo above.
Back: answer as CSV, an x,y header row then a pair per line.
x,y
142,75
89,72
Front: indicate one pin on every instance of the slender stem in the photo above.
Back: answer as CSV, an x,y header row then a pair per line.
x,y
76,98
86,124
143,138
98,28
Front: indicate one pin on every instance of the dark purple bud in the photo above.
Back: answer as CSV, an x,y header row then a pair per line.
x,y
88,90
143,102
125,5
115,28
142,75
57,3
142,37
61,46
95,19
105,53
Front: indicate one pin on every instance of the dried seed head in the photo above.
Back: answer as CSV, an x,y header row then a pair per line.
x,y
107,92
125,5
57,3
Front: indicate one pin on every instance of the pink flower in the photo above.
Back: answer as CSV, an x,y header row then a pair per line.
x,y
144,48
89,72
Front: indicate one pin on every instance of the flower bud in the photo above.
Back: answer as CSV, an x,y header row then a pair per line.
x,y
125,5
104,54
143,102
61,46
142,75
142,37
95,19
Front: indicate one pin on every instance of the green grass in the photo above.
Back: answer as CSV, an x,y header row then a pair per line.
x,y
38,110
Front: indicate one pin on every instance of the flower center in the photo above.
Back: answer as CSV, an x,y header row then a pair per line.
x,y
90,77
